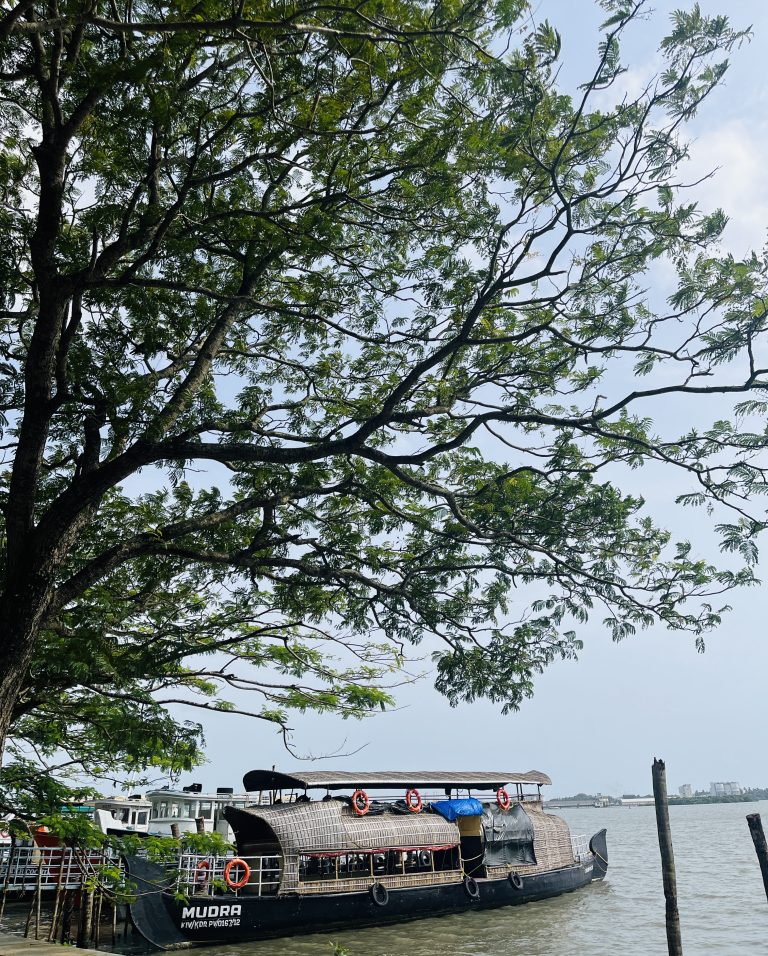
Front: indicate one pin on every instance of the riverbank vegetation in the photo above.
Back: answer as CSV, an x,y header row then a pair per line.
x,y
325,342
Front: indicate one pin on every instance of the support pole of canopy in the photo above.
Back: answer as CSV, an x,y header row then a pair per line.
x,y
674,941
758,838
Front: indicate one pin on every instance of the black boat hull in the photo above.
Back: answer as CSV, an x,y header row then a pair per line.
x,y
229,918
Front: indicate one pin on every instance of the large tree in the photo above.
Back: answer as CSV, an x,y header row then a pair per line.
x,y
327,327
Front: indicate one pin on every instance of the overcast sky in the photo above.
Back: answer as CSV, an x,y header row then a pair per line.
x,y
596,724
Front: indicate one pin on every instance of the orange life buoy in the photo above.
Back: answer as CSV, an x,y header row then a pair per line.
x,y
201,872
236,884
502,798
413,800
360,802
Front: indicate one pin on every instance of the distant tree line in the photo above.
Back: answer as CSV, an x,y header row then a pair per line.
x,y
747,796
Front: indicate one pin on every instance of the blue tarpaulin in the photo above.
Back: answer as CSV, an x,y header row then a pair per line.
x,y
451,809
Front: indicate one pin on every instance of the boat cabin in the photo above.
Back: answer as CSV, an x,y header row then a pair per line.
x,y
184,807
122,814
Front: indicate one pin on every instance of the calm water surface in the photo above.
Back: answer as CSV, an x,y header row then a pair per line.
x,y
723,908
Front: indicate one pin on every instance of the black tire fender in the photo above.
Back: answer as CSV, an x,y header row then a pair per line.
x,y
379,894
516,881
471,888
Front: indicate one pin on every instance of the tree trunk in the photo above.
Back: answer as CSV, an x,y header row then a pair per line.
x,y
17,654
22,619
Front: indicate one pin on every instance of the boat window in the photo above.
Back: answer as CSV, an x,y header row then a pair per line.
x,y
390,862
162,810
142,818
206,810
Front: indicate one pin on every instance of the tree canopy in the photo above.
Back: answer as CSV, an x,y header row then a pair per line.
x,y
325,331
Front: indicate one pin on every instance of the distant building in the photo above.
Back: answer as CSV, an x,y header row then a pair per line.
x,y
729,788
686,790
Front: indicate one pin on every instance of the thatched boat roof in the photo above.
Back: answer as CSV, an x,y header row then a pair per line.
x,y
330,826
390,780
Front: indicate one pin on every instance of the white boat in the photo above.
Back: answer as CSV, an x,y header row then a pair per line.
x,y
119,815
183,808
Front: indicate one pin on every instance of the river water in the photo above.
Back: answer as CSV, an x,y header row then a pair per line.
x,y
723,907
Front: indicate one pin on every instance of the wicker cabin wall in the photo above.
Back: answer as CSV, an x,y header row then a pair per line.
x,y
316,827
332,826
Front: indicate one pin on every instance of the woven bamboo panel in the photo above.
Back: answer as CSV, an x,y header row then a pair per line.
x,y
331,826
551,844
317,827
391,882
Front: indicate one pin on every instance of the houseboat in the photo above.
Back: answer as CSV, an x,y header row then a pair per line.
x,y
325,855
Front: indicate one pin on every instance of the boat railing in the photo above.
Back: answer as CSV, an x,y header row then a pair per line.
x,y
25,868
200,874
580,845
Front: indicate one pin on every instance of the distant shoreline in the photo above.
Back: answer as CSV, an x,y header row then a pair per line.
x,y
600,801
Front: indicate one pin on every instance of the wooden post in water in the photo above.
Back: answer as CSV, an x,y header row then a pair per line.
x,y
175,831
86,917
758,838
674,941
200,824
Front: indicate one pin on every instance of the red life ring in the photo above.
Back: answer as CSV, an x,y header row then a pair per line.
x,y
236,884
201,872
413,800
502,798
360,802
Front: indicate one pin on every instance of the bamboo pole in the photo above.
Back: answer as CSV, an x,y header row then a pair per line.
x,y
10,862
35,896
86,917
758,838
56,899
68,901
97,919
674,941
39,895
66,915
